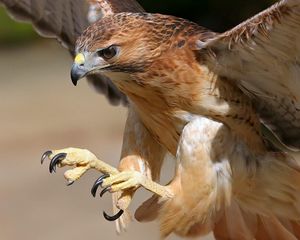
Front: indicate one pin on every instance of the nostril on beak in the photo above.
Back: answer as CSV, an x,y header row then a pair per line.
x,y
77,72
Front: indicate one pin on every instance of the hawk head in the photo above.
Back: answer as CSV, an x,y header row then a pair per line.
x,y
127,42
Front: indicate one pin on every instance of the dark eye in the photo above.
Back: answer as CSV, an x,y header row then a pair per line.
x,y
108,53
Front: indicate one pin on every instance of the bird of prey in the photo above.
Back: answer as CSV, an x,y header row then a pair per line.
x,y
225,107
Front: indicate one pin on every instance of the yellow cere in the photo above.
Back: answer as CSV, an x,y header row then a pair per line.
x,y
79,59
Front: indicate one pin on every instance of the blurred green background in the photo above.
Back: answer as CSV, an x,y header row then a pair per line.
x,y
217,15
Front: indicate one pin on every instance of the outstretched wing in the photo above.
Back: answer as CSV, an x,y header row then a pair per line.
x,y
262,56
65,20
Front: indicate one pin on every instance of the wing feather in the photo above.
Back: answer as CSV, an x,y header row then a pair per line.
x,y
262,56
65,20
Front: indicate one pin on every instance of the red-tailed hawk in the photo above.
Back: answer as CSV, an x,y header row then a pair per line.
x,y
226,107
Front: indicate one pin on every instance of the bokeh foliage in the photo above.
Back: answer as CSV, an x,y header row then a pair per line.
x,y
218,15
12,32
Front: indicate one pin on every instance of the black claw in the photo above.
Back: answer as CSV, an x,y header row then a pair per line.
x,y
70,183
114,217
45,155
105,190
55,160
97,183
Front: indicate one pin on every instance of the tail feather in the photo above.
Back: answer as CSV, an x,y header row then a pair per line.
x,y
296,229
273,228
236,224
149,210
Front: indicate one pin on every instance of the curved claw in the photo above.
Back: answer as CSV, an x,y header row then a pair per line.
x,y
45,155
114,217
97,183
105,190
69,183
55,160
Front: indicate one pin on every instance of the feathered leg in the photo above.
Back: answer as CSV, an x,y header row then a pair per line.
x,y
141,153
198,198
140,165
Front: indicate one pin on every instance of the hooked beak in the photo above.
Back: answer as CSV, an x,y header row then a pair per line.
x,y
78,70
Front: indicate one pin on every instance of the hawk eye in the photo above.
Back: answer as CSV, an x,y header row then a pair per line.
x,y
108,53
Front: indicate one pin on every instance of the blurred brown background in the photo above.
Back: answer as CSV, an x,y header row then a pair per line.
x,y
40,110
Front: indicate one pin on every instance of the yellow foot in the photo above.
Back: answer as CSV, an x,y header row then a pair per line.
x,y
81,159
132,179
126,182
112,180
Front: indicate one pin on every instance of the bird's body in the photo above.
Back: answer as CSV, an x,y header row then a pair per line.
x,y
215,103
226,168
213,132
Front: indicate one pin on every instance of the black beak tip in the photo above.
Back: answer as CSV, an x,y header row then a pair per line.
x,y
74,78
74,82
77,72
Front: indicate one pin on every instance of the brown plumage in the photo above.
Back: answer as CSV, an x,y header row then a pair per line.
x,y
65,20
225,107
173,74
163,75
